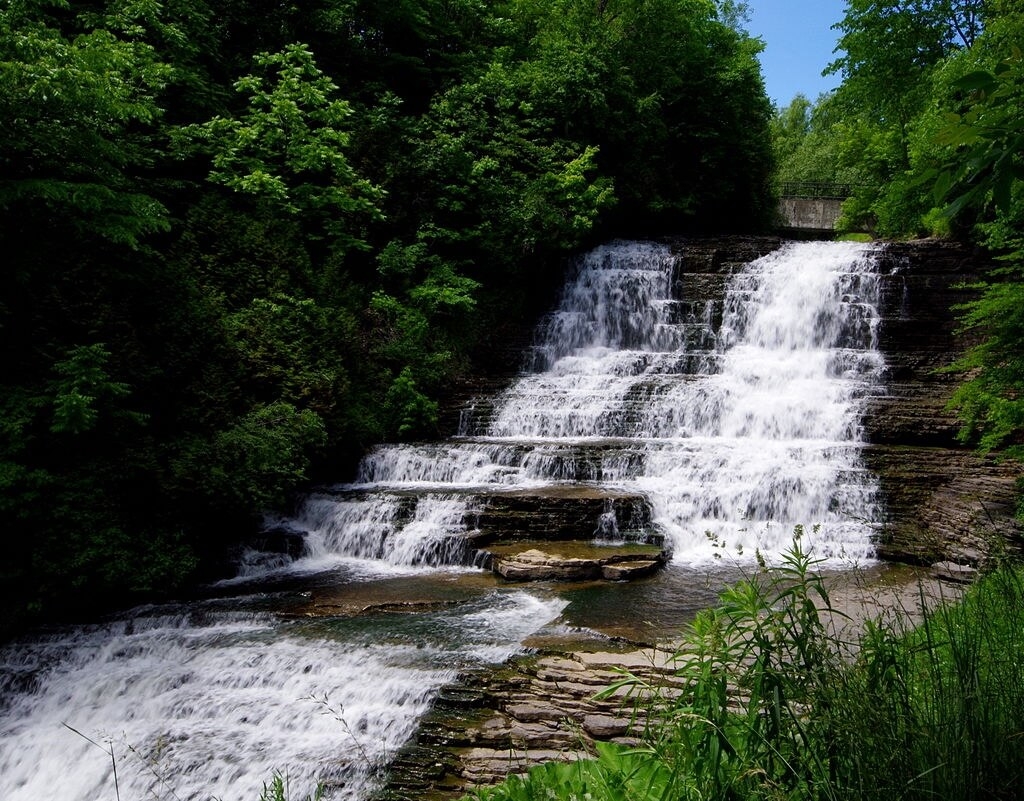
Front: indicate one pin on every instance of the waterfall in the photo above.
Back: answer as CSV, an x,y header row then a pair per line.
x,y
208,701
737,417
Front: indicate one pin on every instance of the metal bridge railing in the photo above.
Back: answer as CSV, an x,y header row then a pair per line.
x,y
816,189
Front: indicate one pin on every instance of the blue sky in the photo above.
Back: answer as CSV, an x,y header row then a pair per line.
x,y
799,43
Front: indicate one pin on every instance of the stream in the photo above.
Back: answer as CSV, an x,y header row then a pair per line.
x,y
734,418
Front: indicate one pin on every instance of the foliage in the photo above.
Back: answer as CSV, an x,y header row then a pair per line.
x,y
278,790
900,61
77,117
616,774
83,382
287,149
770,700
989,138
255,462
244,241
989,399
985,179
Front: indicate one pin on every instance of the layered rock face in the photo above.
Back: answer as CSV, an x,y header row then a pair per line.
x,y
943,501
539,709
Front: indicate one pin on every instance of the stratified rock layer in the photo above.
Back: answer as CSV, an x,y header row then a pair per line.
x,y
538,709
944,502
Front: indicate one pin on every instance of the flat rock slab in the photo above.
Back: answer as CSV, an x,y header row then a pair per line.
x,y
626,570
580,562
534,565
951,571
603,727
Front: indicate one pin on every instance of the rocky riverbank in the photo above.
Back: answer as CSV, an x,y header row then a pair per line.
x,y
540,706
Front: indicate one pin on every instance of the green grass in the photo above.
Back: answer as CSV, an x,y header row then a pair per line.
x,y
776,705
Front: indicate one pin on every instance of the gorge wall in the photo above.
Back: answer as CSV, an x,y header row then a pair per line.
x,y
944,502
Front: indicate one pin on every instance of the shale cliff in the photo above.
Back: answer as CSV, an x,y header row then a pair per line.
x,y
944,502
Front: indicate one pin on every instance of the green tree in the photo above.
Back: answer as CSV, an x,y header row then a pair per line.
x,y
790,127
986,179
77,118
287,149
888,50
891,55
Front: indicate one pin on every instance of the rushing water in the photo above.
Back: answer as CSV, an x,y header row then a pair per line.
x,y
208,701
736,418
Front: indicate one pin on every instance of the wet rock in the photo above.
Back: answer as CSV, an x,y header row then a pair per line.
x,y
542,709
458,697
533,712
280,539
560,513
624,571
951,571
487,766
535,565
585,561
604,727
944,504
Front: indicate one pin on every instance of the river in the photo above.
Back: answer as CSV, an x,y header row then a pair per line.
x,y
736,417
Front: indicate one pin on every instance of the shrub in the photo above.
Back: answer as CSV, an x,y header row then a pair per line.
x,y
769,701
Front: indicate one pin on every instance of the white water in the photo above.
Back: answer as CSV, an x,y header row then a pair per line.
x,y
209,702
740,419
737,418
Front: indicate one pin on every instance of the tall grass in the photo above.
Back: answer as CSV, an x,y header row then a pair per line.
x,y
769,701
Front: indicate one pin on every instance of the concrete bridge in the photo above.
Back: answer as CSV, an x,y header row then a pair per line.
x,y
810,209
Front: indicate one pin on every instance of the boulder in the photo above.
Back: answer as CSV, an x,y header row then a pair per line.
x,y
536,565
575,561
602,727
624,571
951,571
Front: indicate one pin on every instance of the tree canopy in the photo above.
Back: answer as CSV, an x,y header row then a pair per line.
x,y
244,241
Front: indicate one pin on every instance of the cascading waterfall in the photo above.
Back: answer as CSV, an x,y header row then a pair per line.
x,y
209,701
737,417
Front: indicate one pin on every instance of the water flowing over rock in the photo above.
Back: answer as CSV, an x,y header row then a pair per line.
x,y
713,403
690,400
208,701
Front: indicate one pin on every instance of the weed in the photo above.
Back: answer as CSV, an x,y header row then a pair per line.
x,y
768,701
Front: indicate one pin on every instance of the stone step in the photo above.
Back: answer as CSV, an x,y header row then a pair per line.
x,y
574,561
567,512
553,512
